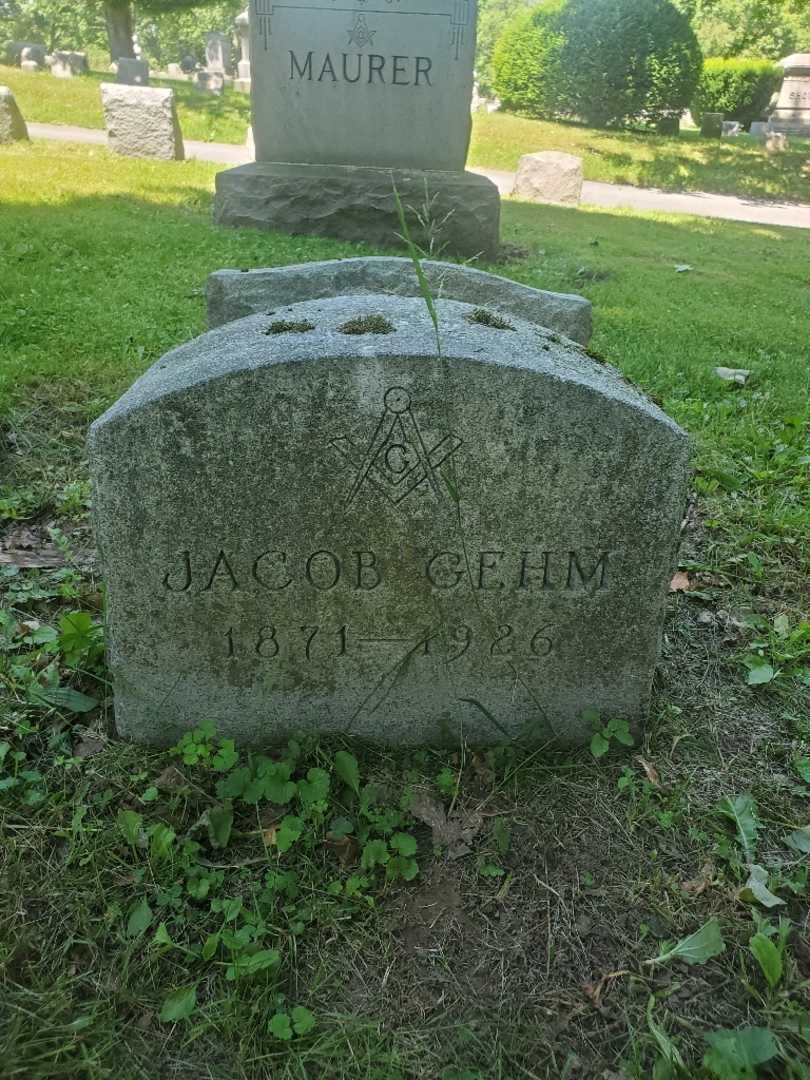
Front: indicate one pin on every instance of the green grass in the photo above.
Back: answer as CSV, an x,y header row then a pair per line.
x,y
46,100
688,163
464,971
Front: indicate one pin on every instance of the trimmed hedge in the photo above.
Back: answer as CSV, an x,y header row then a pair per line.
x,y
628,60
740,89
605,61
526,73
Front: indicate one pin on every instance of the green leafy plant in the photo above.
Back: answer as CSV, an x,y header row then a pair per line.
x,y
614,730
697,948
734,1055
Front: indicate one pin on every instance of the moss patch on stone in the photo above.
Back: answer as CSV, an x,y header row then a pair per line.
x,y
489,318
367,324
282,327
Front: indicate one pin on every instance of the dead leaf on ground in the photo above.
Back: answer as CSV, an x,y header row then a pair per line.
x,y
595,991
171,777
47,558
681,582
697,886
455,832
345,847
88,746
650,771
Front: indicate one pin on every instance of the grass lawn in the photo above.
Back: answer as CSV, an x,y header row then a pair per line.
x,y
46,100
689,163
151,922
736,166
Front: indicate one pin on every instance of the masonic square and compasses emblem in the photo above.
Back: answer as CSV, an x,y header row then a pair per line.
x,y
396,460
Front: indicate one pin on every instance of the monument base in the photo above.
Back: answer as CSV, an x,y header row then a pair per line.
x,y
791,125
454,213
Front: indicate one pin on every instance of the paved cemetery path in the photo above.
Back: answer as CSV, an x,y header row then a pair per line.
x,y
699,203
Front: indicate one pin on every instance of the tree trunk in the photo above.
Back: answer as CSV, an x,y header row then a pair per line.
x,y
118,16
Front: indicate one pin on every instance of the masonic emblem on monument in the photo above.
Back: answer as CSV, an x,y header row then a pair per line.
x,y
396,461
360,35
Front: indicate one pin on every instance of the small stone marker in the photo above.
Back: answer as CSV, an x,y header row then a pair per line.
x,y
132,72
64,65
792,113
141,121
232,294
759,129
307,522
730,128
776,142
711,126
212,82
32,58
348,103
549,177
12,125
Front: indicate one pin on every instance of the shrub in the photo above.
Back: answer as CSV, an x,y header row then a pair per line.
x,y
627,60
526,74
739,89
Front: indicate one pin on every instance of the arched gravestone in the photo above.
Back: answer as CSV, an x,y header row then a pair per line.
x,y
308,526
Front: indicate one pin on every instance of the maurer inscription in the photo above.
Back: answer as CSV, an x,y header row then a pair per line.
x,y
357,67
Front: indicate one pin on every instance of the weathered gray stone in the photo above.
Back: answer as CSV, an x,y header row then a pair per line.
x,y
549,177
12,125
213,82
791,115
358,204
711,125
759,129
730,128
233,294
316,530
388,87
64,65
132,72
33,54
141,121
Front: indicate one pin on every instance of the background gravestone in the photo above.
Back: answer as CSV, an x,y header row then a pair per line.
x,y
141,121
305,525
791,115
64,65
359,100
549,177
131,72
217,52
12,125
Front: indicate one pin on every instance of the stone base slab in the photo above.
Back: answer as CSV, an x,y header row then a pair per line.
x,y
357,203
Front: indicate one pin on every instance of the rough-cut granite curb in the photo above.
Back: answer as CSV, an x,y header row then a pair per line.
x,y
233,294
357,203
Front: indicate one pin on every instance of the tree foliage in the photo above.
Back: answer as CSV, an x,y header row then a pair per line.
x,y
526,72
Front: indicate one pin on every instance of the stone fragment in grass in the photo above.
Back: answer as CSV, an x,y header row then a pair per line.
x,y
12,125
327,532
735,375
549,176
141,121
232,294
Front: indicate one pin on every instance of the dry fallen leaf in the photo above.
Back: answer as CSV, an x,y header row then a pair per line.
x,y
171,777
88,746
594,991
455,832
681,582
345,847
650,771
697,886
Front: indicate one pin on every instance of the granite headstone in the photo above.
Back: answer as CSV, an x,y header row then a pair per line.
x,y
308,522
348,103
792,113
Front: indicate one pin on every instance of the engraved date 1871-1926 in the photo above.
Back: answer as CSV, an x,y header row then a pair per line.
x,y
313,643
